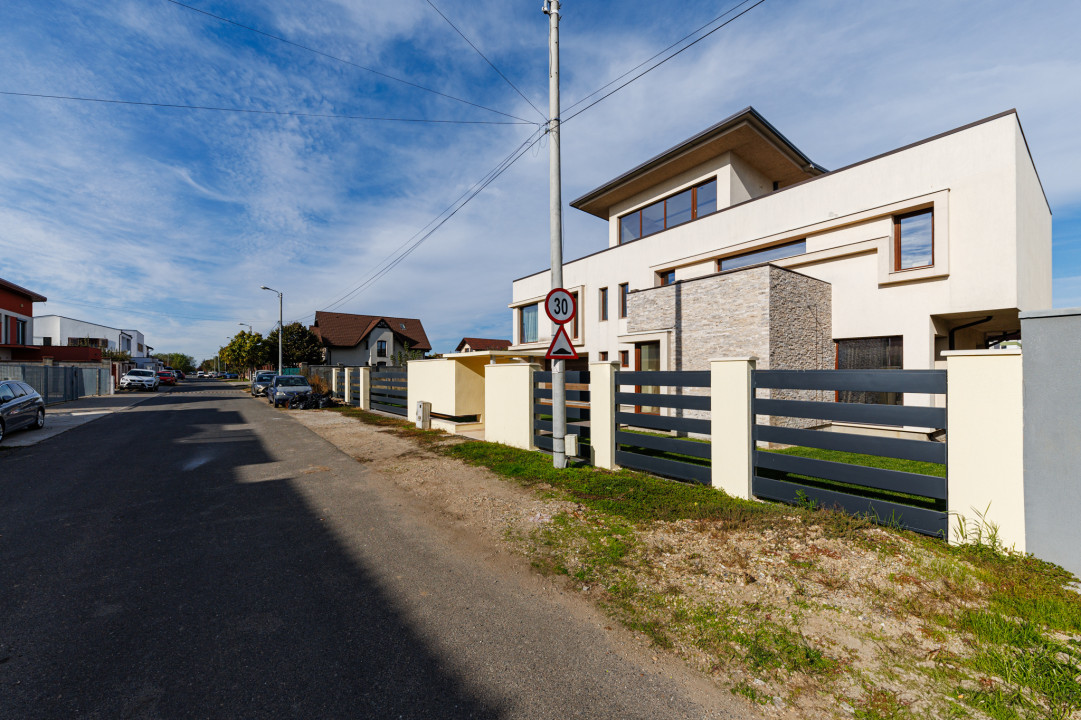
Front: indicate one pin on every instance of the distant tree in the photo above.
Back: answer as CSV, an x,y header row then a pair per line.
x,y
178,361
299,345
245,350
406,354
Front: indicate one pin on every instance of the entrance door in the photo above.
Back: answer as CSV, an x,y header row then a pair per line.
x,y
647,357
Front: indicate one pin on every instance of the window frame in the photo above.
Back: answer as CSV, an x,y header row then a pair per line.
x,y
667,277
897,238
380,348
624,358
755,251
521,323
602,356
624,291
664,204
602,304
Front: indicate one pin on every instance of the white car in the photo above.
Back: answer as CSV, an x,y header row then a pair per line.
x,y
139,380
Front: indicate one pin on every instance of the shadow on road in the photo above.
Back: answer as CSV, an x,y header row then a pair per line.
x,y
145,573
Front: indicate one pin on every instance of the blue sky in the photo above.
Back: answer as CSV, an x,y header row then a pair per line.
x,y
169,220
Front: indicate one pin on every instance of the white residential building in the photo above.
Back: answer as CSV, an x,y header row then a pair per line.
x,y
60,330
734,243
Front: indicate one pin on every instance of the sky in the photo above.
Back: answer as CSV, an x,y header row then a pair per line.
x,y
169,220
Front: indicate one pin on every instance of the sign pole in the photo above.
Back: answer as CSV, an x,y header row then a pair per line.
x,y
555,204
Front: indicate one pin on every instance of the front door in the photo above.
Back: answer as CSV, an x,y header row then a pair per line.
x,y
647,357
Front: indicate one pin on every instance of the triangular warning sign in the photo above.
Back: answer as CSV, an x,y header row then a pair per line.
x,y
561,348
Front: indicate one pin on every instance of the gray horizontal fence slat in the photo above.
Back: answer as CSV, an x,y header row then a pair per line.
x,y
661,466
877,478
914,381
579,430
660,422
544,442
389,383
665,444
922,450
854,412
393,397
688,402
389,375
668,378
578,377
574,395
574,413
388,408
921,520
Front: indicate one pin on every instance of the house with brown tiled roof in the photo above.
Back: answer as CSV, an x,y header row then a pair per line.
x,y
367,340
469,344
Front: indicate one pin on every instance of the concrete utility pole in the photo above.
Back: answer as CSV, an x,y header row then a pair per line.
x,y
555,205
281,330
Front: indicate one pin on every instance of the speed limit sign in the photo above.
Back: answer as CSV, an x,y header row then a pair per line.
x,y
560,306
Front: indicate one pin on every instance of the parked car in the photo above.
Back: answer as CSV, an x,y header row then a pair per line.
x,y
20,407
200,374
230,376
166,377
260,383
139,380
284,387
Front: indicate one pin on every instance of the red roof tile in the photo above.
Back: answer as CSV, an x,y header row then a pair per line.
x,y
347,330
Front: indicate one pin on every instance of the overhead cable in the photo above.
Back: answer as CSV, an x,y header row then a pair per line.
x,y
343,60
286,113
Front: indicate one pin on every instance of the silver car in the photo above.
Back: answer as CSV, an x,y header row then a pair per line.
x,y
260,382
284,387
20,407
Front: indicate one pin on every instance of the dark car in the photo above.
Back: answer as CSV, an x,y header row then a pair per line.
x,y
20,407
284,387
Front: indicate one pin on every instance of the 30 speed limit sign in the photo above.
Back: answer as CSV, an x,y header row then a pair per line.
x,y
560,306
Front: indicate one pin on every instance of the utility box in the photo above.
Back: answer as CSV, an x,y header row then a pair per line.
x,y
570,445
424,415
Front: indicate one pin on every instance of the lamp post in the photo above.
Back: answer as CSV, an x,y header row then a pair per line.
x,y
247,325
251,368
281,330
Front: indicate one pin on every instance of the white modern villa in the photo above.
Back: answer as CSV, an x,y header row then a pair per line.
x,y
734,243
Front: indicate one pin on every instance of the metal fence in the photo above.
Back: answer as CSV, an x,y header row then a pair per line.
x,y
388,391
915,500
647,440
60,383
577,389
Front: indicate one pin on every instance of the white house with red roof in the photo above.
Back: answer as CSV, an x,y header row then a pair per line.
x,y
367,340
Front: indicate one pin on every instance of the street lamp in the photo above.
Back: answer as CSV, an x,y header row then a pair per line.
x,y
281,330
247,325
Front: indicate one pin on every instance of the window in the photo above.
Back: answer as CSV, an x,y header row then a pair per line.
x,y
603,357
668,277
624,358
5,394
602,303
527,328
381,348
623,290
47,341
874,353
577,314
20,332
674,210
914,240
17,390
764,255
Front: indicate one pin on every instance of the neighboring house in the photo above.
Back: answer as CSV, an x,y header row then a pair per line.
x,y
734,243
57,330
481,344
16,320
372,340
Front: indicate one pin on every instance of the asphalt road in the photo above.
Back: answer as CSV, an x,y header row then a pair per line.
x,y
201,555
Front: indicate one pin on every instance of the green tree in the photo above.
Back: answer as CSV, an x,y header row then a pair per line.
x,y
245,350
299,345
180,361
406,354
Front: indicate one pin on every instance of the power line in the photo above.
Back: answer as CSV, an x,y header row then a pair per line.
x,y
662,62
343,60
543,116
406,248
286,113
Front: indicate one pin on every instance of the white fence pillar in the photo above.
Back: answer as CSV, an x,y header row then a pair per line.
x,y
365,399
731,418
334,381
985,436
508,404
349,372
602,413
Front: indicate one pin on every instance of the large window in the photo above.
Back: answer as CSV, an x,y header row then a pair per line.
x,y
755,257
527,328
602,303
914,240
381,348
874,353
677,209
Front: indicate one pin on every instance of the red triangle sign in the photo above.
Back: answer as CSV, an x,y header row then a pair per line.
x,y
561,348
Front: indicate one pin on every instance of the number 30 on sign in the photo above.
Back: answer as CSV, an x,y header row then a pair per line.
x,y
560,306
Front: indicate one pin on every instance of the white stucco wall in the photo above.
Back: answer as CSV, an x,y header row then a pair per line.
x,y
992,241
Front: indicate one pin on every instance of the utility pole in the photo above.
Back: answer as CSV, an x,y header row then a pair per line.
x,y
555,206
281,328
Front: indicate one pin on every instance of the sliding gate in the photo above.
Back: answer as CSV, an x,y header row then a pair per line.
x,y
388,391
846,470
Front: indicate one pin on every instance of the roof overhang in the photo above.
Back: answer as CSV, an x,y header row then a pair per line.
x,y
746,133
19,290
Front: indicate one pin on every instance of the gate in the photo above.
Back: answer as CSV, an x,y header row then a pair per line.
x,y
577,389
914,500
387,391
646,439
